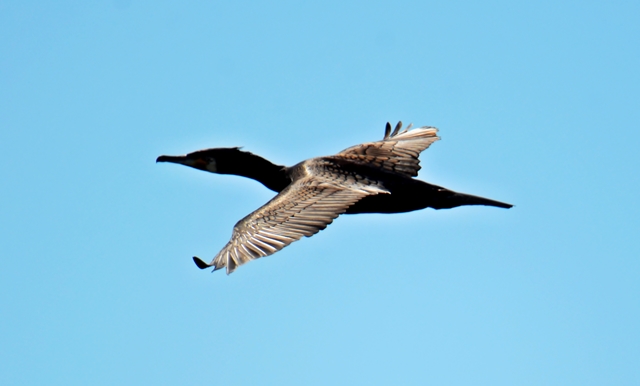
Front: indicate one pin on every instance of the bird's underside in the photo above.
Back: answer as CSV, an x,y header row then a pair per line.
x,y
374,177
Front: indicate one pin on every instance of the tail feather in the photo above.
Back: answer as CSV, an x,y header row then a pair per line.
x,y
451,199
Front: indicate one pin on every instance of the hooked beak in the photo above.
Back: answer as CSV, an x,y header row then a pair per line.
x,y
180,159
197,163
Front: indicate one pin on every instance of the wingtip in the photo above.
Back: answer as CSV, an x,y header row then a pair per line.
x,y
201,264
397,129
387,130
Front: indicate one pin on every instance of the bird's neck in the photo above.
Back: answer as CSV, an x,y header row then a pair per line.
x,y
249,165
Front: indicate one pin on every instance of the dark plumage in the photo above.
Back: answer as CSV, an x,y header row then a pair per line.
x,y
374,177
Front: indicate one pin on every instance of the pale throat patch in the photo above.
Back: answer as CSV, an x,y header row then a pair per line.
x,y
211,166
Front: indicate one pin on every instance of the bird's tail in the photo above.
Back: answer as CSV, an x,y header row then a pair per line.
x,y
449,199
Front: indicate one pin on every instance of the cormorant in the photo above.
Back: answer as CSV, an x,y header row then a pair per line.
x,y
374,177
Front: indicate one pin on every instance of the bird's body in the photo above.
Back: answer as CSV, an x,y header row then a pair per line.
x,y
374,177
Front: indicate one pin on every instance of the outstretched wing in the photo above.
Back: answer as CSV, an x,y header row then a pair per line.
x,y
396,152
302,209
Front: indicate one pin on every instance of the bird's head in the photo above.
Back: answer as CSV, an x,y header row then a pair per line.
x,y
207,160
232,160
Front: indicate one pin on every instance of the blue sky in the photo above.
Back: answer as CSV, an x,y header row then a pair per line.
x,y
537,105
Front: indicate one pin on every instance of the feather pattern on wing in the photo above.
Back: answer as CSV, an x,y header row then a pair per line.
x,y
397,152
304,208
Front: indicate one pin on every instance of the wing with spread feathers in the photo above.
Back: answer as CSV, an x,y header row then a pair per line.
x,y
304,208
397,151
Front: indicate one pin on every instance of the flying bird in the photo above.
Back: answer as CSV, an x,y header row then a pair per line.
x,y
373,177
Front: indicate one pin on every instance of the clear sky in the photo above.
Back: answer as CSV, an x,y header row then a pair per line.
x,y
537,104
